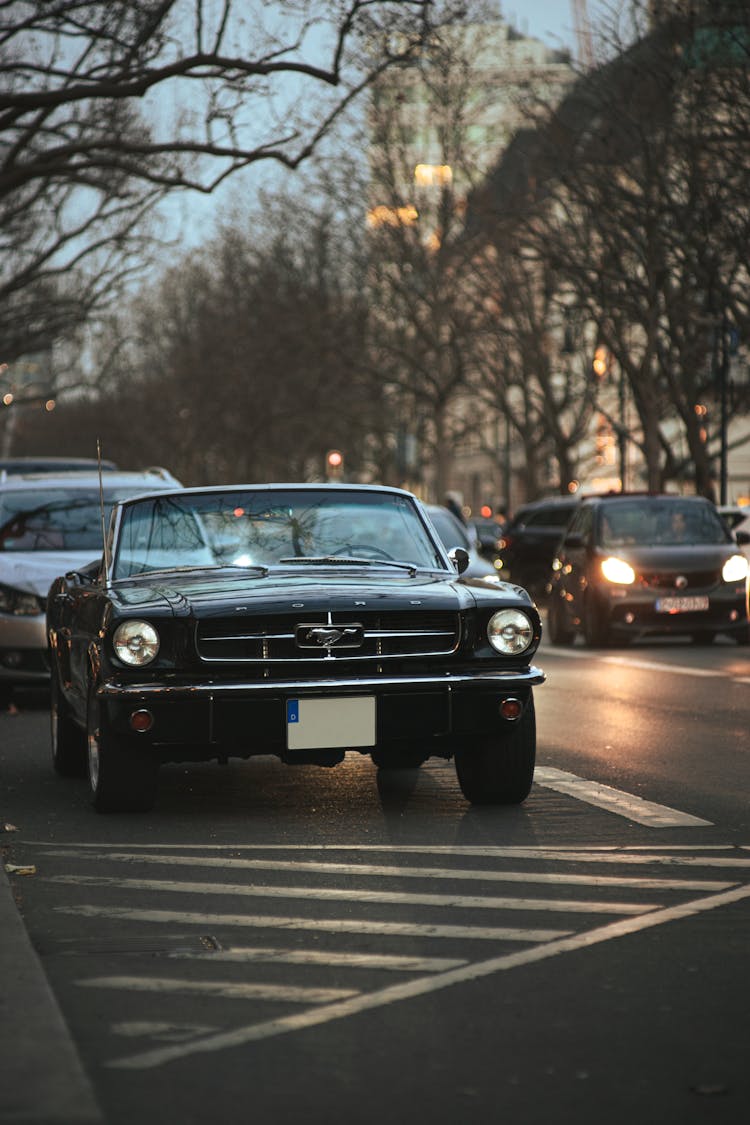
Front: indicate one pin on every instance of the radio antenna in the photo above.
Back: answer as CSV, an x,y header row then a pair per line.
x,y
101,511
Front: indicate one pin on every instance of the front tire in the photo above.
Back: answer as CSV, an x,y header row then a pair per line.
x,y
120,780
500,770
68,739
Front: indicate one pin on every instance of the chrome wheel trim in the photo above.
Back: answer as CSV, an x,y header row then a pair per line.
x,y
92,740
53,714
53,728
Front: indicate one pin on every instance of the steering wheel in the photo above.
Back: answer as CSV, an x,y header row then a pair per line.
x,y
368,551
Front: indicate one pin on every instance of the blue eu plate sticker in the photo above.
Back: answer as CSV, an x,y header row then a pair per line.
x,y
292,710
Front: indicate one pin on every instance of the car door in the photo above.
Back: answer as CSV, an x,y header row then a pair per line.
x,y
535,544
574,554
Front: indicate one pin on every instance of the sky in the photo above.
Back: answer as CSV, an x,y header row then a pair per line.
x,y
552,21
549,20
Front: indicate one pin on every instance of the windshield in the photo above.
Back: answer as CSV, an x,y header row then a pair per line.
x,y
59,519
261,528
647,523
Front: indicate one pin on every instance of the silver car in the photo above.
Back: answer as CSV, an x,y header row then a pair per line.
x,y
454,533
48,526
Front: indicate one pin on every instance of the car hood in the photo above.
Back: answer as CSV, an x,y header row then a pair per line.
x,y
35,571
203,595
691,557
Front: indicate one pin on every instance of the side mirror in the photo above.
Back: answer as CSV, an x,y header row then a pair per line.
x,y
460,558
85,575
574,540
742,538
79,577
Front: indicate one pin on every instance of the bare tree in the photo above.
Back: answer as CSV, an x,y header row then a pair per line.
x,y
235,364
637,202
530,373
106,105
423,324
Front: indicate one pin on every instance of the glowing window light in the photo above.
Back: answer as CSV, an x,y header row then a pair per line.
x,y
433,175
382,216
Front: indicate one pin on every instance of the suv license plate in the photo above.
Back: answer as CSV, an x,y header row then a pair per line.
x,y
682,605
327,723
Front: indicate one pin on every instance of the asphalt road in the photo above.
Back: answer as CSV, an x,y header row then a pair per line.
x,y
304,945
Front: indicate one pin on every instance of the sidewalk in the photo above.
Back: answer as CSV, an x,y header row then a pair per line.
x,y
43,1081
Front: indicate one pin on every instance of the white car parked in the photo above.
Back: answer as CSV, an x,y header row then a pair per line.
x,y
50,524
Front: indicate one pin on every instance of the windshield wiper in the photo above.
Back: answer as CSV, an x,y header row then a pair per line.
x,y
338,560
260,570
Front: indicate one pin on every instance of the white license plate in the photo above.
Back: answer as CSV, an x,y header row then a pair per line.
x,y
339,721
682,605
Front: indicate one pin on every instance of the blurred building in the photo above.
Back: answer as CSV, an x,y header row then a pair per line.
x,y
437,128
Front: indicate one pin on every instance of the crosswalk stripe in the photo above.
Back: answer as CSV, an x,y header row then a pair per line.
x,y
340,894
390,962
612,855
225,990
458,874
323,925
706,855
420,986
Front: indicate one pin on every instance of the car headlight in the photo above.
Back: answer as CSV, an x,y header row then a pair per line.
x,y
19,602
136,642
510,632
618,571
735,569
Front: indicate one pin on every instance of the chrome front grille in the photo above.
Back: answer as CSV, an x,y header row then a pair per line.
x,y
273,640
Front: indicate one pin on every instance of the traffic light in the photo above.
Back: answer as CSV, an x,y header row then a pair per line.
x,y
334,464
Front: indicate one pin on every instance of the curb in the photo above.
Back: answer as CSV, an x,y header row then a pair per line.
x,y
44,1082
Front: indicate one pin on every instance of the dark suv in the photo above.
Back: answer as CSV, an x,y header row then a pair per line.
x,y
527,544
630,565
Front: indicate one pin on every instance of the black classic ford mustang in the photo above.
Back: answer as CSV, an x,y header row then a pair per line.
x,y
295,620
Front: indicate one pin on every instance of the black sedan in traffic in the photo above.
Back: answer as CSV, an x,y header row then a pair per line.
x,y
303,621
636,565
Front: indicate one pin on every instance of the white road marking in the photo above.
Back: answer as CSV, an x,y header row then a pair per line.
x,y
593,853
644,665
702,855
223,989
389,871
324,925
444,971
421,986
166,1032
339,894
390,962
614,800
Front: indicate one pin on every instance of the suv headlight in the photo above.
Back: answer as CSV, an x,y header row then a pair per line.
x,y
734,569
510,632
20,603
618,571
136,642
